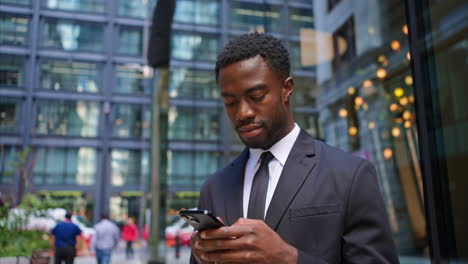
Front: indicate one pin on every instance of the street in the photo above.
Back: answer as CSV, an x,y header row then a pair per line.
x,y
140,257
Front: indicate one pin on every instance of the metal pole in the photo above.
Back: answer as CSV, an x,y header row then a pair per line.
x,y
159,100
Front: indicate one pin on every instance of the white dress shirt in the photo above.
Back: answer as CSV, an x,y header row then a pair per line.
x,y
280,151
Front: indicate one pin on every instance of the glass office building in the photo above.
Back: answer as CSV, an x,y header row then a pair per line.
x,y
384,80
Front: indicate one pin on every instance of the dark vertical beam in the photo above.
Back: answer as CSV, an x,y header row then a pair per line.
x,y
433,165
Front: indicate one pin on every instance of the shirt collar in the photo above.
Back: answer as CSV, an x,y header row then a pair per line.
x,y
280,149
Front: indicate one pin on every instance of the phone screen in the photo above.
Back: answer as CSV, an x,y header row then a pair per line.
x,y
200,219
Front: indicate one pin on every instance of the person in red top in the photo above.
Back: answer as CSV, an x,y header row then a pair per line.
x,y
129,234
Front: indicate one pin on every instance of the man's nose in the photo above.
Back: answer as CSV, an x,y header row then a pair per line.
x,y
245,112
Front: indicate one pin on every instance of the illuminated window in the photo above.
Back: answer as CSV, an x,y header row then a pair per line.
x,y
75,76
96,6
13,29
70,36
11,71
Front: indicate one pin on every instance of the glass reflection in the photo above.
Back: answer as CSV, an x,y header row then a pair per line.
x,y
65,166
129,167
300,19
13,29
8,156
131,120
203,12
187,46
130,41
366,106
69,36
96,6
188,83
135,8
187,123
189,169
11,71
74,76
67,118
16,2
253,17
10,115
133,79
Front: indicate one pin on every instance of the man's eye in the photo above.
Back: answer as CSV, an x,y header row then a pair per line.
x,y
228,102
258,98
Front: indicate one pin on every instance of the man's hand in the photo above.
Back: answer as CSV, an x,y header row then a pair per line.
x,y
246,241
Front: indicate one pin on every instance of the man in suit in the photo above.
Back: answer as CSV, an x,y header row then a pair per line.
x,y
287,198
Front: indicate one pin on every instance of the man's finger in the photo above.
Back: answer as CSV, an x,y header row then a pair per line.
x,y
226,232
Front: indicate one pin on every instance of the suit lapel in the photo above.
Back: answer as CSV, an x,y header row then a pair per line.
x,y
234,188
297,168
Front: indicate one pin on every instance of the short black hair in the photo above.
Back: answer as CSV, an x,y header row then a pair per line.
x,y
252,44
68,215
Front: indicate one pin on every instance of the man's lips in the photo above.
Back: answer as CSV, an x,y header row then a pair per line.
x,y
249,131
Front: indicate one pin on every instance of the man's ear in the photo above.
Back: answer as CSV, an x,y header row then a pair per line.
x,y
287,90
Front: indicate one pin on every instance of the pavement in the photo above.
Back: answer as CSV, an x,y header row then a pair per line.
x,y
141,255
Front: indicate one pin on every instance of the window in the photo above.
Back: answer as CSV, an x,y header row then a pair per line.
x,y
13,30
131,79
71,36
67,118
203,12
188,83
301,59
132,120
73,76
344,45
135,8
193,123
300,19
129,167
10,115
65,166
188,170
305,92
130,41
187,46
8,158
11,71
255,17
96,6
16,2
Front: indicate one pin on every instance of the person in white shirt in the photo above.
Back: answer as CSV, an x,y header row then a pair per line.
x,y
106,238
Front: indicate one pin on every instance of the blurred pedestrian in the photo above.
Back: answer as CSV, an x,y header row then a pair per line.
x,y
106,238
63,239
129,234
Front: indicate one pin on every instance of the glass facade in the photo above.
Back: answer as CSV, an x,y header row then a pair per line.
x,y
129,167
188,83
11,71
10,115
71,166
130,41
73,76
67,118
189,46
131,79
134,8
72,36
203,12
193,123
13,29
8,170
91,6
131,120
253,17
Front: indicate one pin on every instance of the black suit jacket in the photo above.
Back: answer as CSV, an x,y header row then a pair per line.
x,y
327,204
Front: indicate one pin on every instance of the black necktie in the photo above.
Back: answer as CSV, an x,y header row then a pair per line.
x,y
259,188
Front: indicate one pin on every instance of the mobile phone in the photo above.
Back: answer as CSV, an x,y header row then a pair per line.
x,y
200,219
